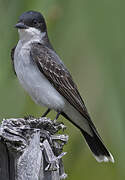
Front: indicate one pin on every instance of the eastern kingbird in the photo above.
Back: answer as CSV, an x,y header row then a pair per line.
x,y
44,76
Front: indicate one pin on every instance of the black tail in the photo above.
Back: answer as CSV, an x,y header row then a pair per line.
x,y
94,142
97,147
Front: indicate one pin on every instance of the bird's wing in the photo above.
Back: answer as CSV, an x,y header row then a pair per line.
x,y
58,76
12,57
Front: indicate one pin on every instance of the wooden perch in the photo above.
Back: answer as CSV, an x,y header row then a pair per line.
x,y
31,150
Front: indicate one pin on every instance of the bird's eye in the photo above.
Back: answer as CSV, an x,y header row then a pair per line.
x,y
34,22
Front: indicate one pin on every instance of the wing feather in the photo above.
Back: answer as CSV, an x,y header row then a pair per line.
x,y
12,58
58,76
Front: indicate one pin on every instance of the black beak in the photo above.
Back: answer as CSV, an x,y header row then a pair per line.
x,y
21,25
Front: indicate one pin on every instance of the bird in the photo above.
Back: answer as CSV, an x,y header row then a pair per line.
x,y
44,76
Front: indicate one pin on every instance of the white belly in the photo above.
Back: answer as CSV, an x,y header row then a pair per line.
x,y
34,82
40,89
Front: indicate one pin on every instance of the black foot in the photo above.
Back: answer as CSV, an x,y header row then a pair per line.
x,y
28,117
60,125
48,110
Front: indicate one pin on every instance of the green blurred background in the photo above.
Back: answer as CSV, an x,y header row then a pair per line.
x,y
90,38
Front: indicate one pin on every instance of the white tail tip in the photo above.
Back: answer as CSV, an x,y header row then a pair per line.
x,y
102,158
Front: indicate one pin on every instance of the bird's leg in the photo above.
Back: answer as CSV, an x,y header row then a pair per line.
x,y
57,116
48,110
59,125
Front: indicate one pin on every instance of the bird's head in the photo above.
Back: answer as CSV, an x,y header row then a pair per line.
x,y
31,24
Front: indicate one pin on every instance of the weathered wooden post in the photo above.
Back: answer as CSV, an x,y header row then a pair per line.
x,y
31,150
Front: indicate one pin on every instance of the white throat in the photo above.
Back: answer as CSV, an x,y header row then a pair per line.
x,y
31,34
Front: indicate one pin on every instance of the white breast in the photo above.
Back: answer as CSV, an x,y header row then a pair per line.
x,y
33,81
